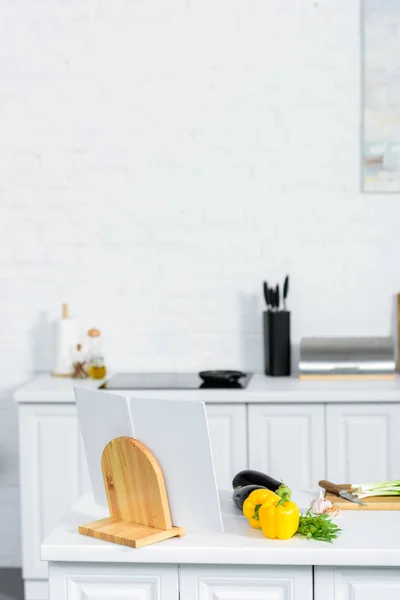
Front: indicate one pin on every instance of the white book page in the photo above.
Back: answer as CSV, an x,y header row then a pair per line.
x,y
176,432
102,417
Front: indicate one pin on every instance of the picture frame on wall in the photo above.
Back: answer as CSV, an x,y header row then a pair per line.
x,y
381,96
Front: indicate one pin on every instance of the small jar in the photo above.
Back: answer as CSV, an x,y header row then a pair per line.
x,y
97,367
79,364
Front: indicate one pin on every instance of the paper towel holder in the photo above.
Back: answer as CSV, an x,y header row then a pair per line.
x,y
66,337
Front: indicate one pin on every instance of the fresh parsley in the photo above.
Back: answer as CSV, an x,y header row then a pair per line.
x,y
317,527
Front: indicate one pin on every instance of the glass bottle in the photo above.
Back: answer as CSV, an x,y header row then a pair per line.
x,y
97,367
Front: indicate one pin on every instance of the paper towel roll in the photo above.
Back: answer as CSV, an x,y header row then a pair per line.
x,y
66,337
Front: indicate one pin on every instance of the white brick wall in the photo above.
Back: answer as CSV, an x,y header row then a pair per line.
x,y
158,160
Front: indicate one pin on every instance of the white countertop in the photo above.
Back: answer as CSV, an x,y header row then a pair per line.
x,y
261,389
369,538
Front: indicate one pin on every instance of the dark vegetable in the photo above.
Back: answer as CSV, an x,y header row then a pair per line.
x,y
242,493
249,477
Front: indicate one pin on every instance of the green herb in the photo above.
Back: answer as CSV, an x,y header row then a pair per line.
x,y
317,527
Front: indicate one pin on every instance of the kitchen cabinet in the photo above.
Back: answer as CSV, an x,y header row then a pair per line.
x,y
53,475
96,581
238,564
227,424
122,582
234,582
288,442
342,583
363,442
295,430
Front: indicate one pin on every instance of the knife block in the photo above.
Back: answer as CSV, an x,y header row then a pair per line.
x,y
136,495
277,357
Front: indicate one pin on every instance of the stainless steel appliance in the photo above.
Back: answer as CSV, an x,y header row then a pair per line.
x,y
352,356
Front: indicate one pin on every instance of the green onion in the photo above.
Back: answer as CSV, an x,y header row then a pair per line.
x,y
395,492
382,488
376,486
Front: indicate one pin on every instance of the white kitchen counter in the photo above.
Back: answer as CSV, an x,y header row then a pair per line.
x,y
329,425
369,538
261,389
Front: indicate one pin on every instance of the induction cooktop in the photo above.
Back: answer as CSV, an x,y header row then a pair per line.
x,y
169,381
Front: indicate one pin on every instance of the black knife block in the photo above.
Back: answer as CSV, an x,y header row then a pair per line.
x,y
277,343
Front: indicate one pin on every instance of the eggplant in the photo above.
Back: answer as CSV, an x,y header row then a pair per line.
x,y
249,477
241,493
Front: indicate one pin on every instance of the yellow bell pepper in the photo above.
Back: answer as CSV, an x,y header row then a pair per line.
x,y
279,522
255,501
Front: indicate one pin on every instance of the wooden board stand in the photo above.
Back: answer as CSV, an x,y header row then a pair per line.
x,y
136,496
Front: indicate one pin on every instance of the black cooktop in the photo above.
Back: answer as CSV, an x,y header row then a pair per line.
x,y
170,381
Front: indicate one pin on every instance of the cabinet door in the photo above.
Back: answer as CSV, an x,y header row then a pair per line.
x,y
228,433
363,442
237,582
69,581
287,441
340,583
53,474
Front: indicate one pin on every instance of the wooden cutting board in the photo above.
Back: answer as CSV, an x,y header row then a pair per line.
x,y
373,503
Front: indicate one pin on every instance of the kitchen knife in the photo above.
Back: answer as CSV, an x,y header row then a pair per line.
x,y
266,293
270,298
277,298
285,291
273,298
339,491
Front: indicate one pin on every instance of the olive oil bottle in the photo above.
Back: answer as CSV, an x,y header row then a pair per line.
x,y
97,367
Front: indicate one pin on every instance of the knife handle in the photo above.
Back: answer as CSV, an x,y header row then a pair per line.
x,y
330,487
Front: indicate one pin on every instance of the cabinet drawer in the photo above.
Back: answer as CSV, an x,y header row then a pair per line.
x,y
70,581
341,583
234,582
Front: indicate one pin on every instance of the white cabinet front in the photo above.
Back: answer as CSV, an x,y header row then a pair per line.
x,y
220,582
363,442
113,582
227,424
287,441
341,583
53,475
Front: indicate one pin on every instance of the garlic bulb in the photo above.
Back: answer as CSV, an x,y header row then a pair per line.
x,y
320,504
